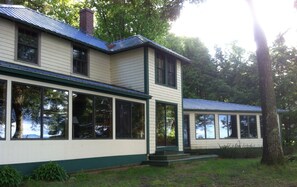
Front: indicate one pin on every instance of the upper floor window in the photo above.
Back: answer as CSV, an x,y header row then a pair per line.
x,y
80,60
27,49
165,70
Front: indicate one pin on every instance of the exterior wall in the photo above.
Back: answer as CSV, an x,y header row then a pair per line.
x,y
163,94
127,69
55,54
26,151
219,142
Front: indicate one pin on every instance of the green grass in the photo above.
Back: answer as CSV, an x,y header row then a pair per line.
x,y
219,172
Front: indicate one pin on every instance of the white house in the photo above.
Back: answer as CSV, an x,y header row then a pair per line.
x,y
69,97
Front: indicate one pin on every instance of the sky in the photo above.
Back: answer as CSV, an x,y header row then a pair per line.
x,y
220,22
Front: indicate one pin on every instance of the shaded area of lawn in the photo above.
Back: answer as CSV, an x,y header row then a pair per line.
x,y
219,172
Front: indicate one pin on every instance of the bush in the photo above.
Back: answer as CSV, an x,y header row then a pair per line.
x,y
238,151
10,177
50,171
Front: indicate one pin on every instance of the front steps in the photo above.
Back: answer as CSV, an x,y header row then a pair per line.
x,y
170,158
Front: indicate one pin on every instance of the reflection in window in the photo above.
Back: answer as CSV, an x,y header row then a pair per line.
x,y
248,126
228,126
166,124
38,112
55,113
205,126
129,120
27,46
2,109
92,116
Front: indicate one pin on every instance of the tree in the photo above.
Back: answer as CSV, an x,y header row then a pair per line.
x,y
272,147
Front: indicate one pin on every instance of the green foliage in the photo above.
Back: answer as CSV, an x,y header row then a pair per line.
x,y
10,177
50,171
238,151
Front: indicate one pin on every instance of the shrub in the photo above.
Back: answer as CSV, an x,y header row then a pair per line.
x,y
50,171
10,177
239,151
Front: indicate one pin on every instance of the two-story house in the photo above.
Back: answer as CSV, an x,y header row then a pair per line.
x,y
69,97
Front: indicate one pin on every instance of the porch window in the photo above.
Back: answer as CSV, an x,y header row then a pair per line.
x,y
205,126
129,120
2,109
248,126
27,46
228,126
38,112
80,60
165,66
92,116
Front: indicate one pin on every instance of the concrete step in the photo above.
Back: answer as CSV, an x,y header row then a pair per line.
x,y
171,162
169,156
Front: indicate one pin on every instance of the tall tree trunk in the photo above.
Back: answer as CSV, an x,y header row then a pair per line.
x,y
272,147
18,100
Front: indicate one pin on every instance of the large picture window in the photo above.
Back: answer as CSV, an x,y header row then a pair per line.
x,y
27,47
165,69
228,126
80,60
2,109
92,116
129,120
248,126
205,126
38,112
166,115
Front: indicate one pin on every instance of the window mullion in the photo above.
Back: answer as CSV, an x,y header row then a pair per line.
x,y
42,112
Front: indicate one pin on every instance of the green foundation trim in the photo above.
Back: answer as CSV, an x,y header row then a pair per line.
x,y
85,164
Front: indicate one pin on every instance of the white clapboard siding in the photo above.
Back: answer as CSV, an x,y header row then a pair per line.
x,y
7,40
163,94
56,54
99,66
127,69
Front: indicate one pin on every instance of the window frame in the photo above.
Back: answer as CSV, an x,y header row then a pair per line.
x,y
5,110
93,117
220,126
167,59
256,126
205,133
38,53
42,112
164,106
86,61
131,123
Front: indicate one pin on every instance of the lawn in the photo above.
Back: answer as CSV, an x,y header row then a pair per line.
x,y
218,172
